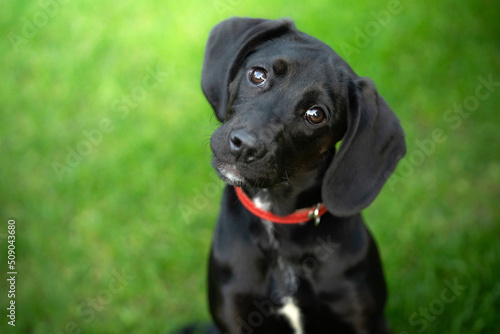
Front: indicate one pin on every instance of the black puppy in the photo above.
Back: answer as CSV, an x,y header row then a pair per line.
x,y
291,253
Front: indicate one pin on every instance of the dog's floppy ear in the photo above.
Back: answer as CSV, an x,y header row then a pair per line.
x,y
368,154
228,44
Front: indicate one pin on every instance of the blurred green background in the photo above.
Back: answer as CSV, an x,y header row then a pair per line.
x,y
105,158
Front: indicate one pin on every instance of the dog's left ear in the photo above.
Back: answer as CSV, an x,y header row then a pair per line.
x,y
227,47
368,154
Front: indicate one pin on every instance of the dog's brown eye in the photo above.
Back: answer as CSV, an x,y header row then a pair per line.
x,y
315,115
258,76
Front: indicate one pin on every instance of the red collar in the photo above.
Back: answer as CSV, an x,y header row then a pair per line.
x,y
299,216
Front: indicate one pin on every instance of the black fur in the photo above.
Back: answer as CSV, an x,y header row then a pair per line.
x,y
331,272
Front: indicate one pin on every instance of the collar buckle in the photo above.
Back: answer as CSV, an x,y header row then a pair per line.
x,y
314,214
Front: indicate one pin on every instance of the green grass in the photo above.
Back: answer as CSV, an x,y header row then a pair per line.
x,y
140,200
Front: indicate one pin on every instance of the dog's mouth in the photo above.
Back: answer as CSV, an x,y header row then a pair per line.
x,y
240,174
228,172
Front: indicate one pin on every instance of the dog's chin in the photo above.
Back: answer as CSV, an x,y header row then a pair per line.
x,y
230,174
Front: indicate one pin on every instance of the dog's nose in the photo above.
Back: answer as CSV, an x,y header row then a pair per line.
x,y
245,146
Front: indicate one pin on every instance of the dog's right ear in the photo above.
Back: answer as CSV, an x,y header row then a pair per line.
x,y
227,47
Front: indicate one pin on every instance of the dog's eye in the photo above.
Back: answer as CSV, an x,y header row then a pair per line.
x,y
258,76
315,116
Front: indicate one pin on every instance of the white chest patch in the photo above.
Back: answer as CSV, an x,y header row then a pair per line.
x,y
262,203
292,313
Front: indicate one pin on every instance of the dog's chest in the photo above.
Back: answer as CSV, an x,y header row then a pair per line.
x,y
285,281
282,268
284,276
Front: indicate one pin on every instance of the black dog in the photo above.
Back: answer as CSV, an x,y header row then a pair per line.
x,y
285,100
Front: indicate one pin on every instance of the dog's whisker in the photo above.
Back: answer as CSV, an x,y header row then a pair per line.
x,y
285,176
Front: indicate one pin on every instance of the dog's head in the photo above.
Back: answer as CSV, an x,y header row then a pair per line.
x,y
285,99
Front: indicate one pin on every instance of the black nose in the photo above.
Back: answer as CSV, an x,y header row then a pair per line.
x,y
244,145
